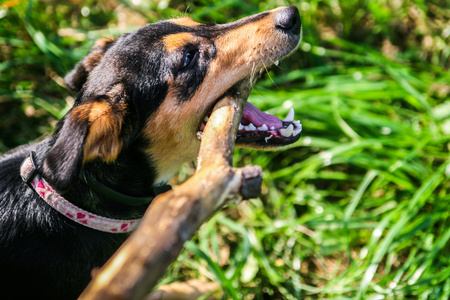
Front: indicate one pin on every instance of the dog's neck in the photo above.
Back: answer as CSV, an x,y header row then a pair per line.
x,y
131,175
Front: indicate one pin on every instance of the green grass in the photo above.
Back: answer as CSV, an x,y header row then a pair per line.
x,y
358,208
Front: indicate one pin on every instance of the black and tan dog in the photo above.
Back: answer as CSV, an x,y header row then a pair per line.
x,y
67,203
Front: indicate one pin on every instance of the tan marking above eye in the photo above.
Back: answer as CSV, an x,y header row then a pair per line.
x,y
175,41
185,21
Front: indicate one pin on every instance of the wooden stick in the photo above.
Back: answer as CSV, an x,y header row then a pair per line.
x,y
175,216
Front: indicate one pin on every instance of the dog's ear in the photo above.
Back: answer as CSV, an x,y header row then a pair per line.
x,y
90,131
78,76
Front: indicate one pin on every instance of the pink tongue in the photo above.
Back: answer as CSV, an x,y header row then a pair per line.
x,y
253,115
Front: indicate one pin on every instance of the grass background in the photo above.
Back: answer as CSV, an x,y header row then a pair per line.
x,y
358,208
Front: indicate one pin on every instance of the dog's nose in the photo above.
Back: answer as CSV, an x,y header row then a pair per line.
x,y
288,19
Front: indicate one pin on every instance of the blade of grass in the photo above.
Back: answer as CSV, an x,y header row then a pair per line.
x,y
214,268
420,196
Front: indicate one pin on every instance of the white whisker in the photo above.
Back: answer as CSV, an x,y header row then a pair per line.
x,y
268,74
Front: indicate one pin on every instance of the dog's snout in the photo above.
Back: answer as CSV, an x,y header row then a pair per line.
x,y
288,19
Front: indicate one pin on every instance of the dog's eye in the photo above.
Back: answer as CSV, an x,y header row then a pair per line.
x,y
189,58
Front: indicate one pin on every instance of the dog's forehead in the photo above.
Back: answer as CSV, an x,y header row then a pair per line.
x,y
183,28
180,31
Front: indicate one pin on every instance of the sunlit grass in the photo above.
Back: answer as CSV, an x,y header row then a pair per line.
x,y
358,208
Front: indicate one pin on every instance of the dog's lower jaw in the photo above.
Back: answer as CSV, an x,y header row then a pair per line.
x,y
167,158
167,169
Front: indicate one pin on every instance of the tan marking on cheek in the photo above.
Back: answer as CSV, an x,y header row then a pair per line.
x,y
172,137
177,40
185,21
172,129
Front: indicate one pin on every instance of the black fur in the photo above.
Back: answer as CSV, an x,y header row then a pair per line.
x,y
121,84
44,255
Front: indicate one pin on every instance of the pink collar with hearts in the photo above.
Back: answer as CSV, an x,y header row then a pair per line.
x,y
41,186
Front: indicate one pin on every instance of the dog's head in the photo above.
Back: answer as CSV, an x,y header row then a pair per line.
x,y
152,89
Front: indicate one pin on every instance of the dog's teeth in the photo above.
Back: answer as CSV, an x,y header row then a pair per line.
x,y
240,126
290,116
277,63
287,132
263,128
268,138
272,127
250,127
297,130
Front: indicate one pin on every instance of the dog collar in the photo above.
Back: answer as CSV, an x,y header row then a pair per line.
x,y
115,196
29,174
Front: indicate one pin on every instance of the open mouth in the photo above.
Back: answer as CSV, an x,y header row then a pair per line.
x,y
259,128
262,128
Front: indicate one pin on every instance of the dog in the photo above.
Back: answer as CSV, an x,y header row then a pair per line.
x,y
68,202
